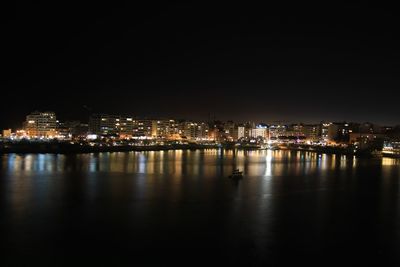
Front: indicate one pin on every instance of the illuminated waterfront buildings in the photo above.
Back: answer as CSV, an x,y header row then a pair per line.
x,y
104,124
277,130
72,129
164,128
195,131
325,131
121,126
312,132
241,132
260,131
41,124
7,133
119,129
130,127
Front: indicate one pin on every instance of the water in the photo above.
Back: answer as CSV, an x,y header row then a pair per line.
x,y
179,208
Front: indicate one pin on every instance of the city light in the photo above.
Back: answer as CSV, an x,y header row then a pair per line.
x,y
104,130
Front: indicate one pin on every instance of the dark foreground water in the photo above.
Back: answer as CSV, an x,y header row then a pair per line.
x,y
179,208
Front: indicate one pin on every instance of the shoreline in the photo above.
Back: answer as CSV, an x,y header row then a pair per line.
x,y
67,148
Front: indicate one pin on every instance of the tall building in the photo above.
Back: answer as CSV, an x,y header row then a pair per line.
x,y
164,128
196,131
229,131
241,132
276,131
311,132
260,131
104,124
340,131
41,124
325,131
126,127
145,128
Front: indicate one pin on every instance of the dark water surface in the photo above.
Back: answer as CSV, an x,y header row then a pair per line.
x,y
179,208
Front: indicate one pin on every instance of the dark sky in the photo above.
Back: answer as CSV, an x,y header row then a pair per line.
x,y
243,62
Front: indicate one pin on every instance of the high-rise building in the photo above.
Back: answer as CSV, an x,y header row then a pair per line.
x,y
340,131
241,132
276,131
229,131
164,128
196,131
260,131
144,128
297,129
126,127
325,131
104,124
41,124
311,132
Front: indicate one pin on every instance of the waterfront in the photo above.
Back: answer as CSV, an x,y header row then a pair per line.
x,y
179,207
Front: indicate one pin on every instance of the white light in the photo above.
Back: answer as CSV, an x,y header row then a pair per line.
x,y
91,136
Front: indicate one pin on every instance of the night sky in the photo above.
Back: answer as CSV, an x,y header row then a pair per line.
x,y
302,63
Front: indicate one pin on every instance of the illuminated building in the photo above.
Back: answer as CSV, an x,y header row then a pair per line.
x,y
325,131
173,127
340,131
41,124
241,132
363,137
104,124
366,135
196,131
7,133
260,131
144,128
276,131
164,128
71,129
391,148
21,134
311,132
63,130
230,131
126,127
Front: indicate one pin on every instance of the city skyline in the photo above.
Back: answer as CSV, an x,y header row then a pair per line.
x,y
196,133
43,131
208,119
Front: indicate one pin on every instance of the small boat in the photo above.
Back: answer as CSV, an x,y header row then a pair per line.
x,y
236,174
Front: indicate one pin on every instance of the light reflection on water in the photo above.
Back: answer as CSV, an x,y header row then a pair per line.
x,y
171,192
176,165
208,163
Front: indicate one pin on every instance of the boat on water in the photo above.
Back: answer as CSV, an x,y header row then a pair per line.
x,y
236,174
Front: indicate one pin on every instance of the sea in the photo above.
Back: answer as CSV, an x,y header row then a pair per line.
x,y
180,208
